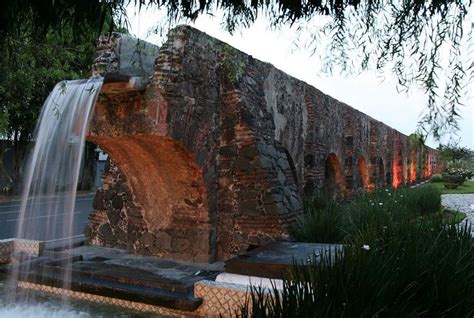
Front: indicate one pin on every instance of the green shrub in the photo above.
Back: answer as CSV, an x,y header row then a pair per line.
x,y
423,200
437,178
450,186
321,222
458,175
455,179
395,262
427,271
326,221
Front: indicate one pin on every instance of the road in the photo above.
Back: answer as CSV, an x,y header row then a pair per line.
x,y
9,216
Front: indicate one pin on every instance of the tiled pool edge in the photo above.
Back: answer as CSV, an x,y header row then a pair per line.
x,y
103,300
219,299
9,246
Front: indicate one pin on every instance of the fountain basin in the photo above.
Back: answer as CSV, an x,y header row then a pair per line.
x,y
157,285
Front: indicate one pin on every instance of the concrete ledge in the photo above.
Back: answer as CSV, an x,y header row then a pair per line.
x,y
276,260
248,281
28,247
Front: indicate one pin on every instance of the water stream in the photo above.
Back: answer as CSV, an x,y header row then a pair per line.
x,y
54,165
55,161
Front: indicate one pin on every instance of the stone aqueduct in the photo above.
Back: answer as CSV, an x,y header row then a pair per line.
x,y
214,154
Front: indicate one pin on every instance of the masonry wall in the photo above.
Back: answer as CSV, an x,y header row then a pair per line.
x,y
220,148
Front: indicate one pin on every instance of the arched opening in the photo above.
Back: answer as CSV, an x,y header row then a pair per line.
x,y
333,178
389,172
377,175
363,174
426,163
161,204
397,165
413,167
348,147
430,164
381,177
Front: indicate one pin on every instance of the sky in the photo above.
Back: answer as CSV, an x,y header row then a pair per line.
x,y
370,92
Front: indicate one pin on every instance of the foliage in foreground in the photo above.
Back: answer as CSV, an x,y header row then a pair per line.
x,y
396,263
332,222
32,61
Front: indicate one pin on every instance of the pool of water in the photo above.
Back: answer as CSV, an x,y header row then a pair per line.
x,y
46,306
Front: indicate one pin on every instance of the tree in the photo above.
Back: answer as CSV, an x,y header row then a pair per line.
x,y
454,153
409,37
30,66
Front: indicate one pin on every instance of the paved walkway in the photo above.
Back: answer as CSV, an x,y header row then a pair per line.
x,y
461,202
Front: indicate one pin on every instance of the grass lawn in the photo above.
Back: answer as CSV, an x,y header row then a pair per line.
x,y
467,187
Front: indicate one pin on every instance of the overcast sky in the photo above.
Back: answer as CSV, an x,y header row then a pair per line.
x,y
366,92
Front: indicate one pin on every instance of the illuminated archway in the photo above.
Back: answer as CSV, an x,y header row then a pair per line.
x,y
381,177
363,174
172,197
333,186
397,165
413,167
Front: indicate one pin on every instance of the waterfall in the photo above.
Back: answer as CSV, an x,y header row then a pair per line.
x,y
54,164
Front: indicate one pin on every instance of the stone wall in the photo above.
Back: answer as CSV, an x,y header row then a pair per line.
x,y
123,54
219,149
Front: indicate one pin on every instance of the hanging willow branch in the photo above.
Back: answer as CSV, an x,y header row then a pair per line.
x,y
425,43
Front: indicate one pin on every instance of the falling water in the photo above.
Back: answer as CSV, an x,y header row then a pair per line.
x,y
50,180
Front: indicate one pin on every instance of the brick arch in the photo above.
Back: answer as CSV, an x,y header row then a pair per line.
x,y
413,170
397,164
389,164
377,175
381,176
389,172
427,169
430,164
363,180
348,146
170,193
333,179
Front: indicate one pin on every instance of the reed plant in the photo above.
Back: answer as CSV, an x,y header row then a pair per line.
x,y
396,262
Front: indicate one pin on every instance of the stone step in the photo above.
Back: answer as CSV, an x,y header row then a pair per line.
x,y
127,275
64,244
276,260
113,289
111,273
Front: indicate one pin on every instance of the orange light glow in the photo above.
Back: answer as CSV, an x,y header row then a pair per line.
x,y
397,175
413,167
430,166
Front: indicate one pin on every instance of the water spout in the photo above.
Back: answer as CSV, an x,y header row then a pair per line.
x,y
54,164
